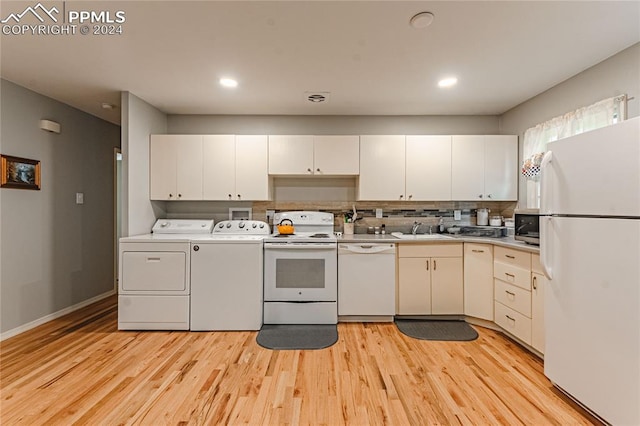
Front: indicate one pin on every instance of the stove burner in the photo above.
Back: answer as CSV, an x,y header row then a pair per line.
x,y
319,236
283,235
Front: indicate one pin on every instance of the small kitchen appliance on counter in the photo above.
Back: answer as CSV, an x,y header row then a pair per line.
x,y
301,271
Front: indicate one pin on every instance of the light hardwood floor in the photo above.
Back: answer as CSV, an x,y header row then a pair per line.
x,y
81,370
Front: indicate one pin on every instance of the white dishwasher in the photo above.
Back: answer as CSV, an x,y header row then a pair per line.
x,y
366,281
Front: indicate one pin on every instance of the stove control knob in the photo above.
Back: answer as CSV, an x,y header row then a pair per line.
x,y
241,225
221,225
228,224
253,225
261,225
196,248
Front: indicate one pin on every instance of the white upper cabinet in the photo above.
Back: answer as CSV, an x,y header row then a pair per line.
x,y
313,155
428,168
467,168
252,174
219,170
382,169
484,167
235,167
175,167
336,155
501,167
290,154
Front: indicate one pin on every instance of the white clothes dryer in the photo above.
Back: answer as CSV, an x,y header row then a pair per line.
x,y
154,276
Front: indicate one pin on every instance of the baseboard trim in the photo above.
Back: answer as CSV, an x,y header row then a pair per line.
x,y
33,324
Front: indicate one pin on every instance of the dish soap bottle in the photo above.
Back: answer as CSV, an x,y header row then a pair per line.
x,y
441,225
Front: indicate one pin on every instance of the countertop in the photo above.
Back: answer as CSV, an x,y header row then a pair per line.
x,y
509,241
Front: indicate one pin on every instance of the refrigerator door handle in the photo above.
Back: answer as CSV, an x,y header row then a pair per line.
x,y
545,184
546,223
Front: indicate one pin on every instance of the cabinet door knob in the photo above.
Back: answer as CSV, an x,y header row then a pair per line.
x,y
427,264
318,169
238,196
434,264
489,196
410,196
179,195
309,170
401,197
170,195
535,283
230,196
480,196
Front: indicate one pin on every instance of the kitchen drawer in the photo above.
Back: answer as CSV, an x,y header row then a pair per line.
x,y
513,322
430,250
509,256
512,274
513,297
535,264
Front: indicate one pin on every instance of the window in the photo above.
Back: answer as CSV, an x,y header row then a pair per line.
x,y
600,114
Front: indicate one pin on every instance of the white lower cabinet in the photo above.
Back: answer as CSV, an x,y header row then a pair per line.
x,y
512,292
538,284
430,279
478,280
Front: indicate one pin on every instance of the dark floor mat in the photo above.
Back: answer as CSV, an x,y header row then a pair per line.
x,y
437,330
297,336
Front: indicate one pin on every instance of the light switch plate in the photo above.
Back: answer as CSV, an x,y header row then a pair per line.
x,y
457,215
79,197
378,213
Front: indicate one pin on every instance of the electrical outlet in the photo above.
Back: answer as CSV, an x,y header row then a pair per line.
x,y
79,197
378,213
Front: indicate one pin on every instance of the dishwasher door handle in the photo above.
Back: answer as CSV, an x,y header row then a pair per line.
x,y
367,248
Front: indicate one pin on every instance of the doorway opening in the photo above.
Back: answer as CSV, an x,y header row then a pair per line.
x,y
117,211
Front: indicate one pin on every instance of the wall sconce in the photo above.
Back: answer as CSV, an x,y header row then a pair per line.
x,y
50,126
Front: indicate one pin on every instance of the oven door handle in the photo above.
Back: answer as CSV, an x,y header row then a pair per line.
x,y
299,246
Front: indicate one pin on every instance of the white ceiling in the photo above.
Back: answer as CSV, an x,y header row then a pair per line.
x,y
172,53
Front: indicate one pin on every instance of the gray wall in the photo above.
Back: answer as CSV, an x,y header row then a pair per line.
x,y
332,124
619,74
139,120
55,253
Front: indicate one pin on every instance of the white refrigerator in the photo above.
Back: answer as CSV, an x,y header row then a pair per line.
x,y
590,251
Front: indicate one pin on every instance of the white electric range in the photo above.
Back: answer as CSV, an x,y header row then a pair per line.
x,y
154,275
226,277
301,271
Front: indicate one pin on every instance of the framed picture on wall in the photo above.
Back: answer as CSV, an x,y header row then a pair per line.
x,y
20,173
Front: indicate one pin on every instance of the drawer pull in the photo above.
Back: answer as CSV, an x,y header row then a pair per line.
x,y
508,317
510,293
153,259
509,275
477,251
434,265
427,263
509,256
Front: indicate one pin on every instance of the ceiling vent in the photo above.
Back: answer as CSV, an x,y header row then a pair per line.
x,y
317,97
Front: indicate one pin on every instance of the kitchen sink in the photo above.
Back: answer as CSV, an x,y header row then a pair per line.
x,y
420,236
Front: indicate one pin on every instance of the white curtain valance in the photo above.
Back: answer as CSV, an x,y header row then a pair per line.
x,y
600,114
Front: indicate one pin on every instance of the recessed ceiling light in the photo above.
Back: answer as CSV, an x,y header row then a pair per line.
x,y
421,20
228,82
448,82
106,105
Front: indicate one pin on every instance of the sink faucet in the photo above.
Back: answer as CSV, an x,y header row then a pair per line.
x,y
414,228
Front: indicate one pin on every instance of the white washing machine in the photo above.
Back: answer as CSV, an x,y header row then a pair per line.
x,y
154,276
226,277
